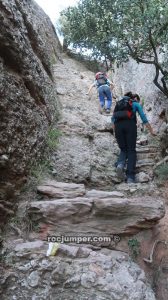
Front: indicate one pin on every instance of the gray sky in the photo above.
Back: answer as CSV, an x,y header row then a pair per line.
x,y
53,7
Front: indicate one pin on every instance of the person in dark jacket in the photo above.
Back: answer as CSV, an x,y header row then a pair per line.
x,y
126,136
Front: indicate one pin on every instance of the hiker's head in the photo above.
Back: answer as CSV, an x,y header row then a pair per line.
x,y
136,97
129,94
100,74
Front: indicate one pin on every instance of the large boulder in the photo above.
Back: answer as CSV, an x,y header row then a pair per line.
x,y
28,48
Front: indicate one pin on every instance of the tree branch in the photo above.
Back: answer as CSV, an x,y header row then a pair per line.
x,y
137,58
153,46
164,85
163,88
163,28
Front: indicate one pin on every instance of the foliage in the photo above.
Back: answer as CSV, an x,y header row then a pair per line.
x,y
53,59
162,172
91,64
134,246
6,259
40,169
52,138
117,29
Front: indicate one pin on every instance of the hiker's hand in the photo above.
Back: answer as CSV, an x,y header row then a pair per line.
x,y
89,97
153,133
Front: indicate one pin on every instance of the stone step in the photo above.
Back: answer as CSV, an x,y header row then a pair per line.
x,y
147,149
145,163
148,155
142,177
146,169
103,194
95,215
55,189
39,247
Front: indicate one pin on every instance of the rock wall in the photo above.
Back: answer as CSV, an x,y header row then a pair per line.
x,y
28,48
138,78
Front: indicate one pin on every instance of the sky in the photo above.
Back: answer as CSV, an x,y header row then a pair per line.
x,y
53,7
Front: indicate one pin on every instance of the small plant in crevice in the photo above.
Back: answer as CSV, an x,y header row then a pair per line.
x,y
52,138
39,170
6,258
134,247
42,167
162,172
53,59
22,224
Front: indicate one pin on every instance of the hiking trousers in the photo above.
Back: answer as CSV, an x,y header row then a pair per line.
x,y
105,92
126,135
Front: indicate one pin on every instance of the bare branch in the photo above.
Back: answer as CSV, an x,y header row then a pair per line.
x,y
155,81
150,259
153,46
164,85
137,58
164,160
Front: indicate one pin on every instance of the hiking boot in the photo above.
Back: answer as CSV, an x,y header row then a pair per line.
x,y
107,111
120,172
130,180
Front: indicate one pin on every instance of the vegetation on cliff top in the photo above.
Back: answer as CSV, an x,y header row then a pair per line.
x,y
118,29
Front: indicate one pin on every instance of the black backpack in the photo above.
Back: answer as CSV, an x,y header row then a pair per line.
x,y
123,109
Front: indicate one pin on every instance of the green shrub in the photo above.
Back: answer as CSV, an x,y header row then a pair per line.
x,y
52,138
162,172
134,247
40,168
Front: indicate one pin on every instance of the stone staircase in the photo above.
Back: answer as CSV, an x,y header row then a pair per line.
x,y
66,209
71,209
87,226
147,157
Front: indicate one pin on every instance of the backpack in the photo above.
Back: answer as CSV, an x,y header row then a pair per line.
x,y
101,78
123,109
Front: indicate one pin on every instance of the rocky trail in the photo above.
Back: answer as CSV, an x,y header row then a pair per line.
x,y
84,199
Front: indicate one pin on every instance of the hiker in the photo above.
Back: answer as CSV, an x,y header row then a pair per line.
x,y
125,127
141,102
135,97
104,87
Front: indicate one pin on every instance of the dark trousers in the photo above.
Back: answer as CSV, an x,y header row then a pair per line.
x,y
126,135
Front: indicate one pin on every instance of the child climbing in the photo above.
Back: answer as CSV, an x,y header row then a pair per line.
x,y
104,87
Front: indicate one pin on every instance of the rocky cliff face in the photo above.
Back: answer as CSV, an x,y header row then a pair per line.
x,y
28,49
138,78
